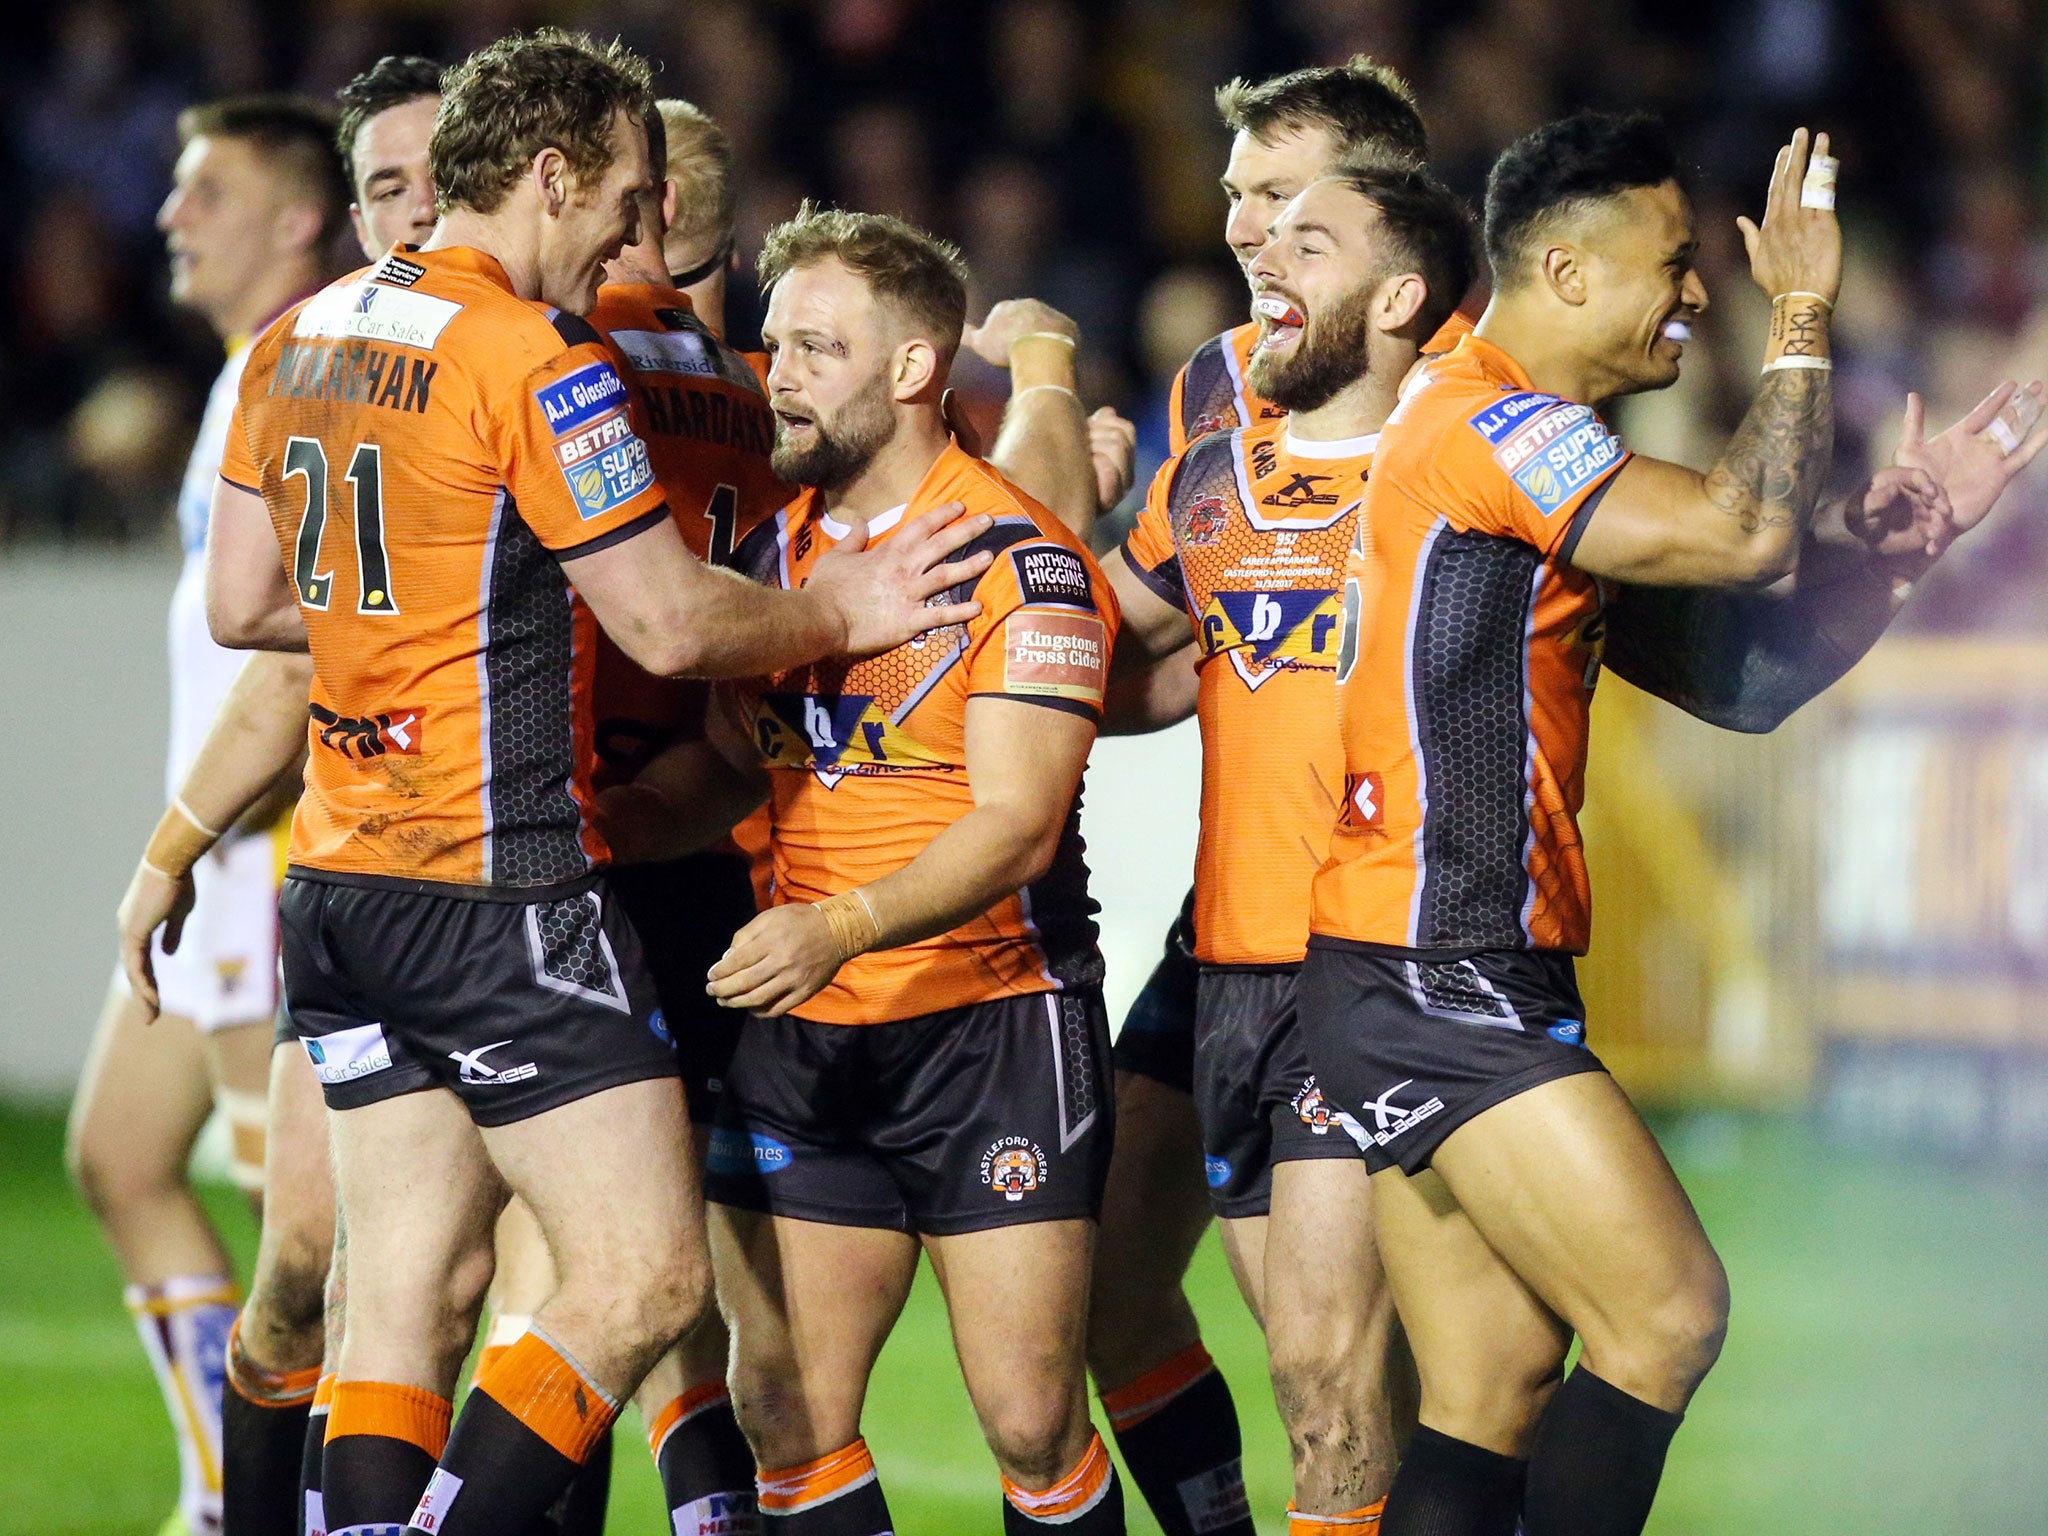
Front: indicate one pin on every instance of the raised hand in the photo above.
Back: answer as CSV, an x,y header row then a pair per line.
x,y
885,594
1113,451
1010,322
1903,511
1972,467
1796,249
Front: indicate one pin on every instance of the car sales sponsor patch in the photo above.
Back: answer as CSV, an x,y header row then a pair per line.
x,y
1551,448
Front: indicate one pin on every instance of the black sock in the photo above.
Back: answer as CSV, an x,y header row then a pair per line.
x,y
312,1508
261,1447
1450,1487
382,1440
1103,1518
580,1510
836,1495
497,1475
372,1480
1598,1458
1184,1449
706,1467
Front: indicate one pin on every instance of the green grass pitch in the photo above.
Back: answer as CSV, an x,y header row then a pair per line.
x,y
1887,1370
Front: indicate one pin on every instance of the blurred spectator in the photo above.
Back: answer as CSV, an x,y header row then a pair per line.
x,y
1072,148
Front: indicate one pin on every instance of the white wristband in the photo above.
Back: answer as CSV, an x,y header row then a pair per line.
x,y
1822,364
1029,388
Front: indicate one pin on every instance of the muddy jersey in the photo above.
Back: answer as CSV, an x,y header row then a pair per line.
x,y
1247,532
430,448
1467,670
1212,394
867,760
705,420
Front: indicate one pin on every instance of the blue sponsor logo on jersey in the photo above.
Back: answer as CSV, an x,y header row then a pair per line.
x,y
657,1022
738,1152
584,395
1567,1032
612,479
1298,624
1218,1171
1551,448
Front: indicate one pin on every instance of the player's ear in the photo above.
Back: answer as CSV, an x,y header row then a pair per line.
x,y
917,370
668,201
549,174
1400,300
1564,269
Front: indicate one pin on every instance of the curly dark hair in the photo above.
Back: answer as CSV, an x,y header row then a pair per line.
x,y
504,104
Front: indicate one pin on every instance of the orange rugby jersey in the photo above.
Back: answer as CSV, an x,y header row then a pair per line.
x,y
705,420
1247,531
867,760
1211,392
1470,654
430,447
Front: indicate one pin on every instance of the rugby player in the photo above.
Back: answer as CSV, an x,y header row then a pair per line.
x,y
1170,1409
705,418
256,201
273,1425
1518,1197
1239,555
448,801
924,1059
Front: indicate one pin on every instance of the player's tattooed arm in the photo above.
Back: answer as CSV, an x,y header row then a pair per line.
x,y
1771,473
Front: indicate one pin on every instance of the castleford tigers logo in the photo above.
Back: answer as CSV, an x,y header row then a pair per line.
x,y
1013,1167
1265,633
1211,421
1312,1108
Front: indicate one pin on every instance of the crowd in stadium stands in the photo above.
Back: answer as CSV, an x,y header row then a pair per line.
x,y
1071,150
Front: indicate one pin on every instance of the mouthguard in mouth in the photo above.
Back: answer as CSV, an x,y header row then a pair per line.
x,y
1677,330
1271,306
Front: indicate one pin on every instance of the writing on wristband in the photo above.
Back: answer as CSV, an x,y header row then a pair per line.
x,y
852,921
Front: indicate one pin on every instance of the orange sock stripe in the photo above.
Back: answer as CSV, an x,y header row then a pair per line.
x,y
679,1410
1072,1496
540,1386
489,1356
323,1394
1364,1521
788,1489
1159,1386
411,1414
262,1386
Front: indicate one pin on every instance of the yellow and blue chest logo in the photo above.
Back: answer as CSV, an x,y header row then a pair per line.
x,y
1266,633
832,735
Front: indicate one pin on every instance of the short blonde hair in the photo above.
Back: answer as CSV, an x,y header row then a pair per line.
x,y
700,164
918,274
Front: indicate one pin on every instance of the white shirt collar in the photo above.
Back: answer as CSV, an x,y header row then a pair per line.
x,y
878,525
1335,448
